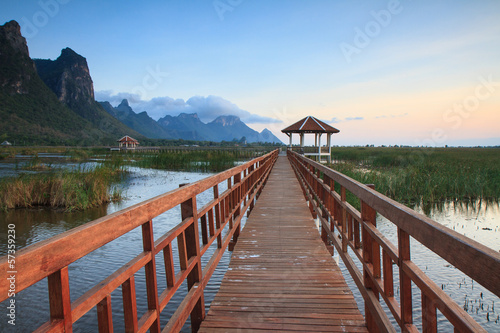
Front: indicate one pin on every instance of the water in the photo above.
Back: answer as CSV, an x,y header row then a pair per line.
x,y
479,221
34,225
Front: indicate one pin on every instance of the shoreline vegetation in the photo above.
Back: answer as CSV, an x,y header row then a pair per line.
x,y
412,176
424,176
70,190
91,186
196,161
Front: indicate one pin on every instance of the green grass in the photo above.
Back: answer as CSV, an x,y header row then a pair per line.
x,y
416,176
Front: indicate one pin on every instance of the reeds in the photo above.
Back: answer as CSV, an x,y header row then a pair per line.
x,y
424,175
69,190
201,161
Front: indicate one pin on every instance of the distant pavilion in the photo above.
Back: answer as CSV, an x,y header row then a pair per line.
x,y
128,143
313,125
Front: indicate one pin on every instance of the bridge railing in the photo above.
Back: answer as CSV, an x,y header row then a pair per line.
x,y
50,258
310,150
346,227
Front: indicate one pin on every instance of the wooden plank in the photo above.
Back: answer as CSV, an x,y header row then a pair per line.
x,y
281,275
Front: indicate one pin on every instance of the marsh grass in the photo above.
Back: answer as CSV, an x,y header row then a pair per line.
x,y
67,189
201,161
419,176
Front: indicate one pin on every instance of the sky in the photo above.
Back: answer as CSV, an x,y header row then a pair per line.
x,y
418,73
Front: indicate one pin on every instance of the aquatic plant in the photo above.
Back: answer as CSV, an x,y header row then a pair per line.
x,y
202,160
422,175
68,189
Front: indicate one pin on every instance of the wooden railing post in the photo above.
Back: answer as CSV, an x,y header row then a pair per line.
x,y
252,184
204,229
368,216
189,210
217,216
236,197
104,317
404,279
129,305
429,317
330,201
59,298
343,197
150,270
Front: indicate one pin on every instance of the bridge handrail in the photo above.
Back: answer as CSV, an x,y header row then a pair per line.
x,y
358,231
50,258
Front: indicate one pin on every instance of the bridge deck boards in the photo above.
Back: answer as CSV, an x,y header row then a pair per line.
x,y
281,276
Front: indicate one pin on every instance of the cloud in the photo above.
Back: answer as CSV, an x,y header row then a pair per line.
x,y
338,120
208,108
392,116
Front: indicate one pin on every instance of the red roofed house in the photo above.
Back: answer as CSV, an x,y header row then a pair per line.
x,y
312,125
127,142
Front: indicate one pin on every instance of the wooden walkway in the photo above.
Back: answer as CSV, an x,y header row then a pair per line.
x,y
281,276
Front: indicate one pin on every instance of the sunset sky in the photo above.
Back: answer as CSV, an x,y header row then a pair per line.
x,y
382,72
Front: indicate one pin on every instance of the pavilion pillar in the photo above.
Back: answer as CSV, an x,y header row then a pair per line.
x,y
290,140
301,140
329,144
319,147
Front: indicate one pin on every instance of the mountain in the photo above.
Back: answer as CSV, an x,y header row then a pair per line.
x,y
140,122
187,126
268,136
31,113
69,78
51,102
223,128
231,127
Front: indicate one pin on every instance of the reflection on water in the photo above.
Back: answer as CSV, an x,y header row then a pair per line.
x,y
479,221
34,225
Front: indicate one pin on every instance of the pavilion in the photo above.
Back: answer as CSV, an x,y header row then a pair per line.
x,y
127,142
313,125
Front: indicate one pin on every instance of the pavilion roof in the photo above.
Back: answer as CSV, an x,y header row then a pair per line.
x,y
127,138
310,125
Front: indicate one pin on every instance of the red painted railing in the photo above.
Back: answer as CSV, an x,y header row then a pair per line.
x,y
50,258
345,227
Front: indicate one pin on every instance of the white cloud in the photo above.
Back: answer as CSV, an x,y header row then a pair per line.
x,y
208,108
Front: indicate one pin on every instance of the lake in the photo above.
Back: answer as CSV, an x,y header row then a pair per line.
x,y
34,225
478,221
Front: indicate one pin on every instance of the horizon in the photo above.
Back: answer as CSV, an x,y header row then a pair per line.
x,y
382,72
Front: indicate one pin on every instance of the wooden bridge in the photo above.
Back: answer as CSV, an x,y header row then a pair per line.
x,y
281,277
